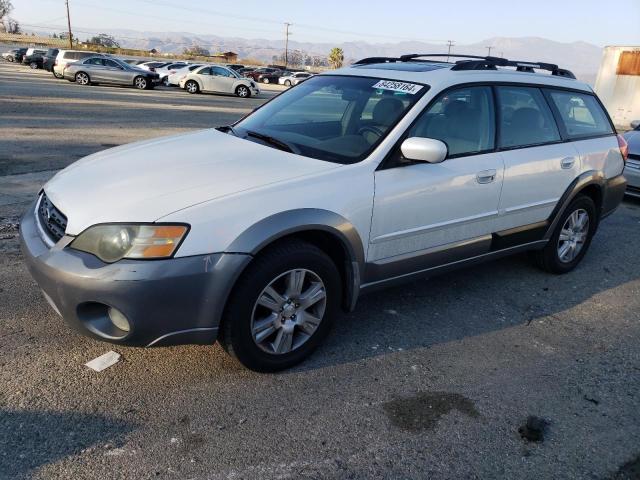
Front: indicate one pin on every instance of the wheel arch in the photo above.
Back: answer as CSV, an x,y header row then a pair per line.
x,y
330,232
592,184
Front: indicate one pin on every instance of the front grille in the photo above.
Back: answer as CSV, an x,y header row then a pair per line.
x,y
52,220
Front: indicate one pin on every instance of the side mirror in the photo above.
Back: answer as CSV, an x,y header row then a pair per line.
x,y
635,124
422,149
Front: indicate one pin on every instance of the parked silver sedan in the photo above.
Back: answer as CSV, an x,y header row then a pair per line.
x,y
109,70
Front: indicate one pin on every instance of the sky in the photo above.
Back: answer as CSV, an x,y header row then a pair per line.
x,y
374,21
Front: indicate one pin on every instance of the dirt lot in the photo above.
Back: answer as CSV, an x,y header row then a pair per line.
x,y
429,380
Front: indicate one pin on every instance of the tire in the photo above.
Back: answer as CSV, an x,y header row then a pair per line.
x,y
243,313
82,79
141,83
11,59
576,237
33,66
266,80
243,91
192,87
287,83
57,75
165,81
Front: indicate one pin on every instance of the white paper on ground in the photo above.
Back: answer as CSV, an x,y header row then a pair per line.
x,y
103,361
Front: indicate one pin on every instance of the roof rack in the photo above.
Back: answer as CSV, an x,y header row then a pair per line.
x,y
474,62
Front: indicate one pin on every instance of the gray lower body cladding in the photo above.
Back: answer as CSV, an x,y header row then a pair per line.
x,y
173,301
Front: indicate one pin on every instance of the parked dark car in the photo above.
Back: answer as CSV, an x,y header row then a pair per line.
x,y
264,75
14,55
244,70
49,59
35,60
234,66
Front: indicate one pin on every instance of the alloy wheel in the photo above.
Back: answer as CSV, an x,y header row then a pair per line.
x,y
288,311
573,235
192,87
141,83
82,79
243,91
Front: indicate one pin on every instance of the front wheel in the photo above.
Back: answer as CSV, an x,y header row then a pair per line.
x,y
33,65
287,83
141,83
82,79
192,86
571,238
282,307
243,91
266,80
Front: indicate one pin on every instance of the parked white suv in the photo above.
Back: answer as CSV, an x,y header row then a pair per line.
x,y
256,234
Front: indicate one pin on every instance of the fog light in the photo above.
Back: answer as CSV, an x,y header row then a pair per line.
x,y
118,319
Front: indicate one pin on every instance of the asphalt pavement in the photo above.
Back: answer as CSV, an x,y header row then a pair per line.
x,y
434,379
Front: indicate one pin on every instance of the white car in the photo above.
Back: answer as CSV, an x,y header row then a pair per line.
x,y
294,78
169,69
175,77
218,80
258,233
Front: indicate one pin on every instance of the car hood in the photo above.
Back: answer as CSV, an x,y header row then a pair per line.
x,y
147,180
633,139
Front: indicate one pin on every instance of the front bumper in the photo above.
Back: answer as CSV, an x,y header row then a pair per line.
x,y
167,302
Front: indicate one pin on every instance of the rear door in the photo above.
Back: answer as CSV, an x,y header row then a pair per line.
x,y
450,206
539,165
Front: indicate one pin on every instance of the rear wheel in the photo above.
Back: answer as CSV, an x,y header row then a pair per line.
x,y
165,81
33,65
82,79
141,83
282,307
266,80
192,86
571,238
243,91
287,83
56,74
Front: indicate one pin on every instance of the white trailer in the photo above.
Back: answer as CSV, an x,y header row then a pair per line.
x,y
618,84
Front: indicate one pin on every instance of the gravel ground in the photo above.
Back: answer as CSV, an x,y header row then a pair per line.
x,y
435,379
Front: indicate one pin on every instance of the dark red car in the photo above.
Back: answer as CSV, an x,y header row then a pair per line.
x,y
264,75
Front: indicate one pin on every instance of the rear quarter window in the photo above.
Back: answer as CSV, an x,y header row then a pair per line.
x,y
581,114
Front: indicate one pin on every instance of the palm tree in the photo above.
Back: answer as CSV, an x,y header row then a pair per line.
x,y
336,57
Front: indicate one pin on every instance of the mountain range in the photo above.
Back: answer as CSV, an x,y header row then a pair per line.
x,y
580,57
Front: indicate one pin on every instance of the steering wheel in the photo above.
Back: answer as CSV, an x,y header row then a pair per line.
x,y
371,129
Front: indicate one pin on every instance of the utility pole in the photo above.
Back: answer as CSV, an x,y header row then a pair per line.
x,y
489,48
69,25
286,43
450,43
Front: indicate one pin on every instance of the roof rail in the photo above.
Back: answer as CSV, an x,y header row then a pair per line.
x,y
474,62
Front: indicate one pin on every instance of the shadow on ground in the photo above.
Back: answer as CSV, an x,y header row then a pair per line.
x,y
29,440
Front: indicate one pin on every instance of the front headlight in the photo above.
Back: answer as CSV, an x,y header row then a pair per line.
x,y
111,243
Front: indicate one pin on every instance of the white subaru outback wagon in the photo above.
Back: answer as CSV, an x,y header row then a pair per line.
x,y
258,233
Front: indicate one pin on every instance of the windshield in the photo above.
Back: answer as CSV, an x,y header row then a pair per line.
x,y
335,118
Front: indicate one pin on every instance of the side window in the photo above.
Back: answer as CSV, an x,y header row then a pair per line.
x,y
92,61
581,114
219,71
525,118
70,56
204,71
111,64
463,119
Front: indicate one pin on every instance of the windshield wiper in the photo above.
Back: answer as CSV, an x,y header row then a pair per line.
x,y
270,140
227,129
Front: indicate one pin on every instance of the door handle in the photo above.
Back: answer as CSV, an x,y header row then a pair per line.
x,y
567,162
486,176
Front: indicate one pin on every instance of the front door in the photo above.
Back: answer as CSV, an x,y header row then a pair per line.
x,y
222,80
422,209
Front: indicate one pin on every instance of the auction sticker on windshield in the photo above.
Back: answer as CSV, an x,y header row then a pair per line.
x,y
403,87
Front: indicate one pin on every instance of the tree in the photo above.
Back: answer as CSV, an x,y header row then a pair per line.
x,y
196,51
5,8
12,26
336,57
105,40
